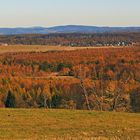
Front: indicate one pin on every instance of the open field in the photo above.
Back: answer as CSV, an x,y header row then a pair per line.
x,y
35,48
60,124
40,48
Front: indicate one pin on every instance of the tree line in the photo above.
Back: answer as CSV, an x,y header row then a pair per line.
x,y
74,39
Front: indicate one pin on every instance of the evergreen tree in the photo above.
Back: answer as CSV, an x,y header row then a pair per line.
x,y
11,100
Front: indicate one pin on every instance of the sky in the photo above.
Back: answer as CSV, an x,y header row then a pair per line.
x,y
46,13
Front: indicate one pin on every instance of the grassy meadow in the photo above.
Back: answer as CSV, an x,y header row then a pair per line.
x,y
41,48
67,124
35,48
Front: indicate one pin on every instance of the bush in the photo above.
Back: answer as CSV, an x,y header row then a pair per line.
x,y
135,100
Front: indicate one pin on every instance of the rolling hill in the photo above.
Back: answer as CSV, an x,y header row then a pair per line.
x,y
67,29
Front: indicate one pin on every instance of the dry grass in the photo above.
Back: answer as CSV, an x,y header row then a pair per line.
x,y
39,48
67,124
34,48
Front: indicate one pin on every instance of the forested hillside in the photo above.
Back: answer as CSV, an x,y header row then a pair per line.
x,y
97,79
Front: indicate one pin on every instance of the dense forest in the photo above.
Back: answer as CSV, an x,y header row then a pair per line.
x,y
95,79
74,39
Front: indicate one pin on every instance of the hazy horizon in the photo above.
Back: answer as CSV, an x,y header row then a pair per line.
x,y
49,13
70,25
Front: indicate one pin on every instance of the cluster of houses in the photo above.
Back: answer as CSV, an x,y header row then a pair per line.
x,y
3,44
117,44
120,43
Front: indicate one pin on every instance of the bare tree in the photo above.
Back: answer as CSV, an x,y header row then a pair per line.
x,y
82,85
85,93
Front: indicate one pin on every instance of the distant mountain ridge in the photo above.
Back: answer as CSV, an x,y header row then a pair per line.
x,y
66,29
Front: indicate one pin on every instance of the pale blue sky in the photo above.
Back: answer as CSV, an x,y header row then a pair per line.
x,y
20,13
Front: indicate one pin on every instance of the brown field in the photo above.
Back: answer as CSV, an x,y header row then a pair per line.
x,y
41,48
42,124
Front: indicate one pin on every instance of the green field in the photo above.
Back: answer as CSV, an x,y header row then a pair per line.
x,y
67,124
